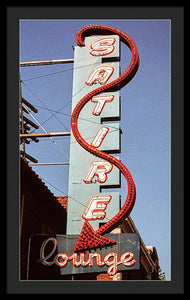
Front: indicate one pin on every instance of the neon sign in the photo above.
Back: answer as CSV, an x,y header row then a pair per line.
x,y
54,255
103,46
111,259
106,77
100,103
101,74
97,141
96,207
100,169
93,214
88,173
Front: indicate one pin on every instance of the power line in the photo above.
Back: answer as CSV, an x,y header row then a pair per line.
x,y
58,72
39,99
68,115
61,191
55,112
65,104
111,126
46,132
79,118
69,197
54,115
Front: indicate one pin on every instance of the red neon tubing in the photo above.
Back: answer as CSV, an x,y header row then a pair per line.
x,y
116,84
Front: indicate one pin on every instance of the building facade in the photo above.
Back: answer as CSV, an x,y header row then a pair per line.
x,y
43,214
40,212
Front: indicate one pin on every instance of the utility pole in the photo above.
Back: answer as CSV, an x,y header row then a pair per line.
x,y
24,134
24,122
21,117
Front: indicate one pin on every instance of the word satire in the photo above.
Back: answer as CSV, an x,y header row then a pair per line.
x,y
111,259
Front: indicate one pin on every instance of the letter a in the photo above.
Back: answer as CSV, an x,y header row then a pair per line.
x,y
101,74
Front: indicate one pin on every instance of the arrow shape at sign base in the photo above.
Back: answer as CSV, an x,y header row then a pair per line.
x,y
89,239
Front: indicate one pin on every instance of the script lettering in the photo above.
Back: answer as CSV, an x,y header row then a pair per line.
x,y
111,259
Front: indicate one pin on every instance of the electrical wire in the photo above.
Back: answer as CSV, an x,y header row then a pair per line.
x,y
69,115
39,99
54,115
65,104
58,72
59,111
69,197
45,131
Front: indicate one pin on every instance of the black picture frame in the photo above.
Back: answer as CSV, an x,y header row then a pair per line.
x,y
13,15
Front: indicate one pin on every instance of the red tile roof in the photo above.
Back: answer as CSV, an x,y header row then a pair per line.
x,y
63,201
26,169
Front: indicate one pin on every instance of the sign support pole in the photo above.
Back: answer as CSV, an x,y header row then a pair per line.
x,y
46,62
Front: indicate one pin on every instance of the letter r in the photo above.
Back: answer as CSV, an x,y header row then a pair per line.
x,y
100,169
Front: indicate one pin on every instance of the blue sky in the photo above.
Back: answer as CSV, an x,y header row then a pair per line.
x,y
145,115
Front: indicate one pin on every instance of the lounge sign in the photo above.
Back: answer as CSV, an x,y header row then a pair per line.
x,y
56,254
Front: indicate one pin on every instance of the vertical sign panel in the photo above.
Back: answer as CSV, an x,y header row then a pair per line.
x,y
95,64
